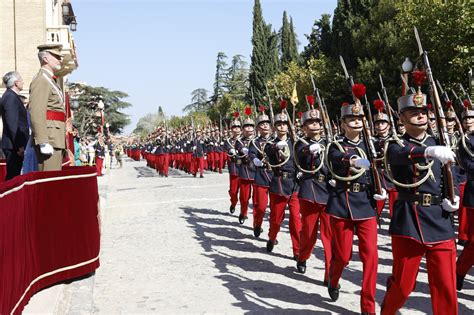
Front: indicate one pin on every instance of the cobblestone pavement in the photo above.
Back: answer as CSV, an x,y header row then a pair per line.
x,y
169,245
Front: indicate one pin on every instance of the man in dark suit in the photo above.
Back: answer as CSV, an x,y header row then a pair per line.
x,y
15,124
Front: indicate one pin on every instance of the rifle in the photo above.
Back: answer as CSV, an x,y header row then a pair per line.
x,y
272,116
464,92
324,113
372,153
458,123
440,121
445,97
369,113
388,107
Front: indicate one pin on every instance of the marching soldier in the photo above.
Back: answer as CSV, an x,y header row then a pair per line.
x,y
198,154
47,110
350,206
246,166
283,186
313,192
263,174
421,223
232,161
466,160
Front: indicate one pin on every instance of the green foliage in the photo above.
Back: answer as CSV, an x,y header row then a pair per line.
x,y
87,117
199,101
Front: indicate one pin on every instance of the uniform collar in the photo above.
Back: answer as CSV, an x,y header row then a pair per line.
x,y
420,142
48,72
353,142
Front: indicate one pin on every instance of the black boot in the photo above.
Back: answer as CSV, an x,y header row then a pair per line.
x,y
232,209
257,230
334,292
242,219
459,282
301,266
270,245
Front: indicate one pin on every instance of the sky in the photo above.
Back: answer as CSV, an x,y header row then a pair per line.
x,y
158,51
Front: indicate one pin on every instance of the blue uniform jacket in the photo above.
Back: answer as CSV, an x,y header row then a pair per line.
x,y
425,224
232,162
263,174
313,187
344,202
246,166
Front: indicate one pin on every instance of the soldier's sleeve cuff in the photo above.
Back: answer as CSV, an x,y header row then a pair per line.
x,y
417,154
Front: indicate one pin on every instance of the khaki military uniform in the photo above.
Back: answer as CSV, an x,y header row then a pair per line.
x,y
47,112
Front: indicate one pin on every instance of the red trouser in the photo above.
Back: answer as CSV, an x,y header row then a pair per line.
x,y
312,214
245,187
98,164
261,201
440,263
233,189
277,214
466,259
392,196
343,236
166,163
197,163
463,228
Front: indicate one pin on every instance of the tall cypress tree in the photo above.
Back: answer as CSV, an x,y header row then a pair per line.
x,y
285,42
220,81
261,59
293,42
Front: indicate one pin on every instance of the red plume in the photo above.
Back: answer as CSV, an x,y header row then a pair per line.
x,y
429,106
379,105
300,114
310,99
248,110
358,90
449,104
466,104
261,108
236,114
283,104
345,104
419,77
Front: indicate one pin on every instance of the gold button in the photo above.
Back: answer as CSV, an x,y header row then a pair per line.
x,y
416,203
348,189
417,173
417,193
409,156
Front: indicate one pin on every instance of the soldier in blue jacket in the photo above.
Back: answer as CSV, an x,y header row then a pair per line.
x,y
246,167
313,192
466,160
263,173
421,222
351,208
283,186
229,147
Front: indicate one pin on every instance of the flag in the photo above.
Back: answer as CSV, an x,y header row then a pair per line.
x,y
294,96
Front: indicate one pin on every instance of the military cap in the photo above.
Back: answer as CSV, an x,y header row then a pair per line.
x,y
312,114
410,101
263,118
281,118
468,110
248,122
351,110
235,123
54,49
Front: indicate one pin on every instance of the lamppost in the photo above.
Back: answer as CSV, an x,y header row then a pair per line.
x,y
100,106
407,67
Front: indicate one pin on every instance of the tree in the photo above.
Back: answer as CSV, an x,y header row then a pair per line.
x,y
319,41
237,78
87,117
149,123
199,101
220,81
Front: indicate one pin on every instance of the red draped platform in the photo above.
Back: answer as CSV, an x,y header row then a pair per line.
x,y
49,232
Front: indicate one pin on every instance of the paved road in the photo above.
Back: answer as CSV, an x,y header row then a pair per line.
x,y
169,245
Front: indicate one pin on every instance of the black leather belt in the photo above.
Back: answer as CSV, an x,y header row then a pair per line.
x,y
420,199
285,175
353,187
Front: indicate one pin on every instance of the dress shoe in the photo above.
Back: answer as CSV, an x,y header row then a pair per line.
x,y
462,242
201,176
301,266
270,245
257,230
459,282
242,219
295,257
232,209
334,292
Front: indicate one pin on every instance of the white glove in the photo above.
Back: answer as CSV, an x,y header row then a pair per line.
x,y
281,144
380,197
46,149
194,148
257,162
361,163
450,207
245,151
222,143
211,143
332,182
232,151
315,148
441,153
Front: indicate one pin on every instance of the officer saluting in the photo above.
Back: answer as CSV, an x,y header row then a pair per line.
x,y
421,223
47,110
